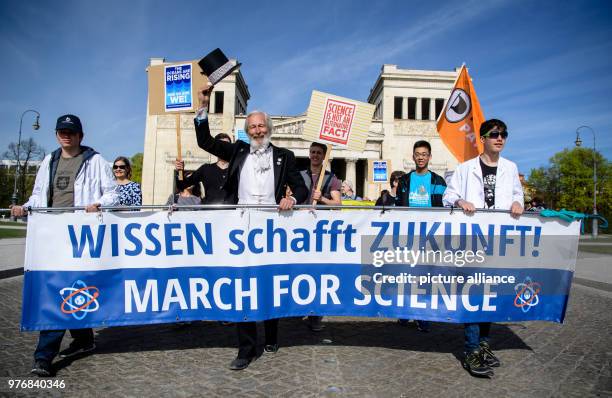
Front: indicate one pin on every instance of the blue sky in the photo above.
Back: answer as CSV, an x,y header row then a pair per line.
x,y
544,67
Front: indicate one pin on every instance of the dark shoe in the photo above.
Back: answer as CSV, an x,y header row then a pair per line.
x,y
271,348
240,363
472,362
41,368
487,355
423,326
75,349
315,323
403,322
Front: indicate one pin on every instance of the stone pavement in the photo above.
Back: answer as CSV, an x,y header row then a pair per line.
x,y
12,252
352,357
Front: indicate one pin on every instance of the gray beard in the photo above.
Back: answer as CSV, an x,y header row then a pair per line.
x,y
261,162
263,146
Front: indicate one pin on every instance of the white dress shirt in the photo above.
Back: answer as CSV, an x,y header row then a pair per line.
x,y
257,186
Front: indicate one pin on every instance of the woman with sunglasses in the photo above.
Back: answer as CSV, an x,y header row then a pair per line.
x,y
129,191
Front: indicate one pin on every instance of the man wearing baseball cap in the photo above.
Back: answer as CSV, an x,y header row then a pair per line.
x,y
71,176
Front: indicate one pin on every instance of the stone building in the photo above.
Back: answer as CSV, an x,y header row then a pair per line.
x,y
407,105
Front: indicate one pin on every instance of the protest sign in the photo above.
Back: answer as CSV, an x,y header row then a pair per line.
x,y
86,270
337,121
178,88
379,171
172,89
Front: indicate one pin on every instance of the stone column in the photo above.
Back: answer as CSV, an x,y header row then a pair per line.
x,y
404,108
432,109
351,171
417,111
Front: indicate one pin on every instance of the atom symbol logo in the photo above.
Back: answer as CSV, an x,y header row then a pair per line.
x,y
79,299
527,294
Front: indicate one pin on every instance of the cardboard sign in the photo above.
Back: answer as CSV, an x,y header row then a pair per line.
x,y
169,89
338,121
178,88
379,171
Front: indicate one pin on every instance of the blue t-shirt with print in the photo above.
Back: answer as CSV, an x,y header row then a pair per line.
x,y
421,190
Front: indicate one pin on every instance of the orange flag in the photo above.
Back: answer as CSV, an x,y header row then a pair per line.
x,y
459,122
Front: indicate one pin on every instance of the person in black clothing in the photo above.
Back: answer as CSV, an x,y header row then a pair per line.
x,y
258,173
212,176
388,197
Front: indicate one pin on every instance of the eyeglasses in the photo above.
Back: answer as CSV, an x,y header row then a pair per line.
x,y
496,134
119,166
420,155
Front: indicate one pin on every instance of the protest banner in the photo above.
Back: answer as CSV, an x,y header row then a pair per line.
x,y
337,121
89,270
459,122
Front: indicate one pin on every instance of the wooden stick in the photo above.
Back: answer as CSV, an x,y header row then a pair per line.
x,y
323,168
179,155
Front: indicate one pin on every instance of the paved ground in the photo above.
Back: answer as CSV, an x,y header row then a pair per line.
x,y
352,357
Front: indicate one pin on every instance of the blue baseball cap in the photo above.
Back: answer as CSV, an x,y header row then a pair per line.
x,y
69,122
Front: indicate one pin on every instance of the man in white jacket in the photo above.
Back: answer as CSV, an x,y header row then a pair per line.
x,y
73,175
486,182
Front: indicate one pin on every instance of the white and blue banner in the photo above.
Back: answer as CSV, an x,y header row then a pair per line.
x,y
131,268
178,87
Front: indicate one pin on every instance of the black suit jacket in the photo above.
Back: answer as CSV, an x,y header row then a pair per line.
x,y
285,171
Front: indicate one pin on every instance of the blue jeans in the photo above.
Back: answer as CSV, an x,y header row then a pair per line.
x,y
49,342
475,333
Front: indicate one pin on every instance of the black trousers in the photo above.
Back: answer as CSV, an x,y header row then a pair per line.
x,y
247,337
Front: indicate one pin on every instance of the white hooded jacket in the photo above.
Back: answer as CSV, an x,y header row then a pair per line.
x,y
94,182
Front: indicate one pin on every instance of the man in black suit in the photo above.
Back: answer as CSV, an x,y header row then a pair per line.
x,y
258,173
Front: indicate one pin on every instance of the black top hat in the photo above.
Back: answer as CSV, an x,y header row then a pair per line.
x,y
216,66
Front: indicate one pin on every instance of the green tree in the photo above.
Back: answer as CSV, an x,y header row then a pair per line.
x,y
136,162
567,182
6,187
29,151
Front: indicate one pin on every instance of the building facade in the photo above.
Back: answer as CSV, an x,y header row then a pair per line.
x,y
407,105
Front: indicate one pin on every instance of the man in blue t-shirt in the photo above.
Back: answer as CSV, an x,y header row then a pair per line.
x,y
420,188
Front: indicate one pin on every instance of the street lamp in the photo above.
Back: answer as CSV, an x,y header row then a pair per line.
x,y
579,143
35,126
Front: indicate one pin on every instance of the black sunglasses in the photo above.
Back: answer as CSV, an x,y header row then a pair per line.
x,y
119,166
495,134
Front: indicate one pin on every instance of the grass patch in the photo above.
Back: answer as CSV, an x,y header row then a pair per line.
x,y
13,223
12,233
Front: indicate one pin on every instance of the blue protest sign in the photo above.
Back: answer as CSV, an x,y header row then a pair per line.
x,y
380,173
178,87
